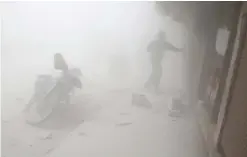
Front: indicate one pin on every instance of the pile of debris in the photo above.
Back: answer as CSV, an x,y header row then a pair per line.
x,y
141,100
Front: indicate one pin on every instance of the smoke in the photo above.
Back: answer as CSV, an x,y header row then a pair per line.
x,y
89,35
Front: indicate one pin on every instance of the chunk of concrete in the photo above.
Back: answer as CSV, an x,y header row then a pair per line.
x,y
140,100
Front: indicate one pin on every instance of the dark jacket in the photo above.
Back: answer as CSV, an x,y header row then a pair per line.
x,y
157,49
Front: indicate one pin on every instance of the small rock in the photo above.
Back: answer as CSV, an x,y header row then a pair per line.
x,y
176,108
141,100
49,150
19,99
5,121
124,124
13,144
48,137
81,134
124,113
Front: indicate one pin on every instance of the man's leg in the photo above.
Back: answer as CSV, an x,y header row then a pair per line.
x,y
157,79
148,84
150,81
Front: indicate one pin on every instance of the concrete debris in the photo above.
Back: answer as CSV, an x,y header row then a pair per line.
x,y
48,137
49,150
20,100
124,114
176,107
5,121
140,100
124,124
82,134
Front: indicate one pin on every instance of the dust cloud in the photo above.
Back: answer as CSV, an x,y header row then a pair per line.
x,y
89,35
106,40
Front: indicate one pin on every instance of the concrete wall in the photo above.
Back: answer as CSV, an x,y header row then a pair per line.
x,y
232,132
209,129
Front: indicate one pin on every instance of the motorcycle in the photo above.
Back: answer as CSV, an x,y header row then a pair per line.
x,y
50,93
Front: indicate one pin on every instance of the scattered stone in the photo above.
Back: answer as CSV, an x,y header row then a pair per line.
x,y
140,100
5,121
176,108
13,144
124,124
47,137
124,113
49,151
21,100
119,90
82,134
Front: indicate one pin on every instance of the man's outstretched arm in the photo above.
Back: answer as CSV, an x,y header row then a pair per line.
x,y
171,47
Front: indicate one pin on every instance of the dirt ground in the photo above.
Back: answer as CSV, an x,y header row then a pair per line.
x,y
104,123
22,139
121,129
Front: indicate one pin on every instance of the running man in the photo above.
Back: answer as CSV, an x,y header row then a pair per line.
x,y
157,49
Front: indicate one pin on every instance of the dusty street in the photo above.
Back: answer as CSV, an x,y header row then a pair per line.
x,y
124,130
109,43
105,123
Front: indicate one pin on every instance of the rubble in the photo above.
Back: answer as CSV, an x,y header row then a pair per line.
x,y
140,100
124,124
